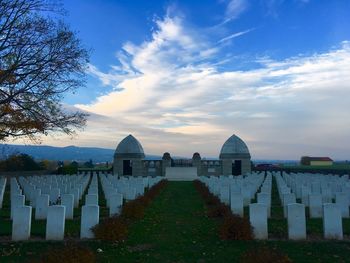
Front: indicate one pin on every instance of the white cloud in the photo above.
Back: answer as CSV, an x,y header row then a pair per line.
x,y
171,94
235,35
234,9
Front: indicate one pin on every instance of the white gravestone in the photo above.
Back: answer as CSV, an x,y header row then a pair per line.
x,y
342,200
89,218
237,204
264,198
225,194
116,202
332,222
315,206
42,204
258,220
55,222
16,201
296,221
288,199
91,199
21,224
68,201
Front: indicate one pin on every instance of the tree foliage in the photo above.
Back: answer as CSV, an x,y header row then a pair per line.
x,y
41,59
19,162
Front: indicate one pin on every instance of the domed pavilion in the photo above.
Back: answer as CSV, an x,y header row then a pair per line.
x,y
235,157
128,157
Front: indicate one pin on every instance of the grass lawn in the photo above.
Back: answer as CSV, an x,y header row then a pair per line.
x,y
175,229
306,168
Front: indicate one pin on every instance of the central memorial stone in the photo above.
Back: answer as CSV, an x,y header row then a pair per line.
x,y
181,173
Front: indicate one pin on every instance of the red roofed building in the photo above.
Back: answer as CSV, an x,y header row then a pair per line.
x,y
317,161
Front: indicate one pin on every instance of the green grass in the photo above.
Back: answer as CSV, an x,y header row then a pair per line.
x,y
176,229
335,166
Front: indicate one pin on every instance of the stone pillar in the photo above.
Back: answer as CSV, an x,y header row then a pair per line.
x,y
21,224
55,222
197,162
296,221
166,162
258,220
89,218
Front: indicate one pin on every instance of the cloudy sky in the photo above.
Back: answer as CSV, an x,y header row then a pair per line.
x,y
183,76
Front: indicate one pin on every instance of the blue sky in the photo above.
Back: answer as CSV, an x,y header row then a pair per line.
x,y
183,76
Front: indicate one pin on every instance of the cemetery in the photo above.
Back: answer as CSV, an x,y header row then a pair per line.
x,y
181,76
300,217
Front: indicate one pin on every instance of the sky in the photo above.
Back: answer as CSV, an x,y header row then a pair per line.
x,y
183,76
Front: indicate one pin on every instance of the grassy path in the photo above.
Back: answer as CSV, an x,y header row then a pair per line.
x,y
175,227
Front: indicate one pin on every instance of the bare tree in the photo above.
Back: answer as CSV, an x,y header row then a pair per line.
x,y
41,59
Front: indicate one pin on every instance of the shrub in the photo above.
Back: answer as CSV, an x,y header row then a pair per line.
x,y
143,200
111,229
264,255
212,200
235,227
154,190
70,253
219,210
133,210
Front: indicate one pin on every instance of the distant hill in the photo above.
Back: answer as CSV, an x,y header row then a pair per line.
x,y
73,153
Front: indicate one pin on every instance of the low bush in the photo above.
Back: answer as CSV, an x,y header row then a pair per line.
x,y
212,200
134,209
235,227
264,255
111,229
219,210
154,190
70,253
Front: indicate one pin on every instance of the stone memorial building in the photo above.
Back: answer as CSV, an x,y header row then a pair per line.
x,y
129,160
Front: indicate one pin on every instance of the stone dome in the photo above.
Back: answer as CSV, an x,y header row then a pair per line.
x,y
166,156
196,156
234,147
129,147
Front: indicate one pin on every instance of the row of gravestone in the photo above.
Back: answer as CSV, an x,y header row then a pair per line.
x,y
316,190
318,207
260,212
129,188
56,214
44,191
225,186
